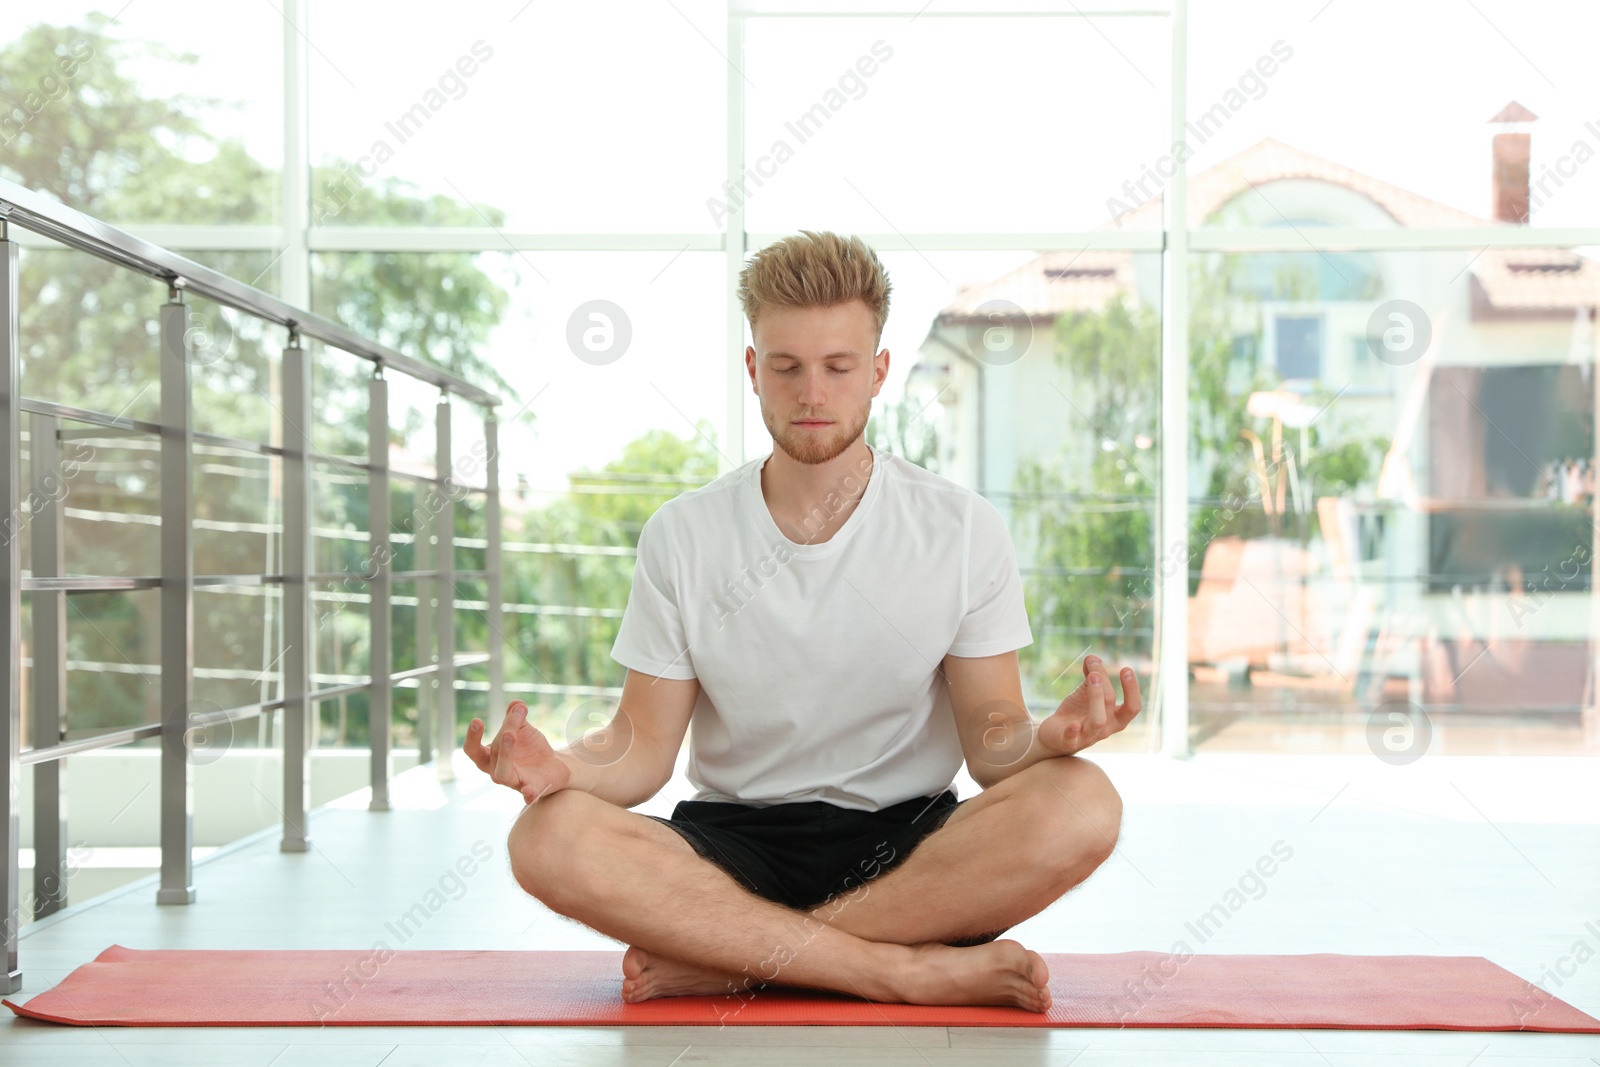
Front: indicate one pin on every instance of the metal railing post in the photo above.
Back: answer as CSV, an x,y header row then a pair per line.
x,y
177,603
422,557
297,565
445,563
380,704
49,674
10,611
491,562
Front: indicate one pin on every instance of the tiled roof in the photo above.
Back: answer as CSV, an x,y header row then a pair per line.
x,y
1533,282
1507,280
1054,283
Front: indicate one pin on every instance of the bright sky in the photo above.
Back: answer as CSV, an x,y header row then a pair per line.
x,y
611,117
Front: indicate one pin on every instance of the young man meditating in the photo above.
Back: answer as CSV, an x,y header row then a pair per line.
x,y
841,628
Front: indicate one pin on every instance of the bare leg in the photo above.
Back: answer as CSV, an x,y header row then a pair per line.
x,y
1002,857
617,873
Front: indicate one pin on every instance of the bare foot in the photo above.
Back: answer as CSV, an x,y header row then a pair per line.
x,y
648,974
1000,972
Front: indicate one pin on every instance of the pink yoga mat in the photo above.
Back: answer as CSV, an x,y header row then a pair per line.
x,y
224,987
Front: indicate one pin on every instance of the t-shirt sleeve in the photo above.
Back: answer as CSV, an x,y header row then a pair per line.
x,y
996,618
651,637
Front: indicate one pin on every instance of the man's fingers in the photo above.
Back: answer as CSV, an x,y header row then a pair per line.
x,y
1100,700
474,746
515,718
1131,701
505,772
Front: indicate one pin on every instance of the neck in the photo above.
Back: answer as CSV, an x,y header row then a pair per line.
x,y
810,501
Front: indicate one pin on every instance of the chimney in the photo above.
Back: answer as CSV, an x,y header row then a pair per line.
x,y
1510,179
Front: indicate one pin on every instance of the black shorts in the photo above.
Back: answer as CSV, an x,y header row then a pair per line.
x,y
803,854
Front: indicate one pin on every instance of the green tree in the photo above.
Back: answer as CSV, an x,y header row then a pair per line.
x,y
1090,522
86,133
601,515
1090,526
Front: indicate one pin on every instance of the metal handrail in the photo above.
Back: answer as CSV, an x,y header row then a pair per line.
x,y
181,453
76,746
48,218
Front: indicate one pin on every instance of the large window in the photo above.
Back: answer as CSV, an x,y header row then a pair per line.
x,y
1383,300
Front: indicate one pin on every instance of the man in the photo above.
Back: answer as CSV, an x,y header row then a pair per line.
x,y
841,626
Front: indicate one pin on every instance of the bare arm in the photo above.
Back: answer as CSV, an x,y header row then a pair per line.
x,y
626,762
998,735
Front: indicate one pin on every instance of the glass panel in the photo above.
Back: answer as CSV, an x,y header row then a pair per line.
x,y
410,513
238,525
340,632
469,467
153,113
111,840
339,524
413,641
235,370
556,142
937,124
404,703
342,721
1033,379
112,516
471,532
593,439
236,653
90,334
1284,132
113,655
472,638
412,629
1393,553
340,400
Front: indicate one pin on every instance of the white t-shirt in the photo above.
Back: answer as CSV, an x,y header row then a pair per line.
x,y
818,662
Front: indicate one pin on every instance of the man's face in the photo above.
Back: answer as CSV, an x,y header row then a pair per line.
x,y
815,374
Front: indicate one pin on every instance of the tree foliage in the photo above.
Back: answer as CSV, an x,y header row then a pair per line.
x,y
1090,520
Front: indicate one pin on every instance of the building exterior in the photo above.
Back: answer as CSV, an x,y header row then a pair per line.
x,y
1472,371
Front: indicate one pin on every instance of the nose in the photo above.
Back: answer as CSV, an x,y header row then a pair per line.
x,y
812,395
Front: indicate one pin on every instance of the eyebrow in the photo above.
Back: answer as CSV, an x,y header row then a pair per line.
x,y
830,355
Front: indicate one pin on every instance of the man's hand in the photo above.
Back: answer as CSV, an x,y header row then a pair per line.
x,y
519,756
1090,712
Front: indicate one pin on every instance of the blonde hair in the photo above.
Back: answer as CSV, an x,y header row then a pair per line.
x,y
815,270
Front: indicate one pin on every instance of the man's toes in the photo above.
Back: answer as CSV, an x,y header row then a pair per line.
x,y
634,962
1039,971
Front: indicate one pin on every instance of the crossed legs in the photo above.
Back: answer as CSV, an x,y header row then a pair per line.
x,y
1000,858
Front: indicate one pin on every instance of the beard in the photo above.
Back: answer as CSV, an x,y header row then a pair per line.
x,y
814,446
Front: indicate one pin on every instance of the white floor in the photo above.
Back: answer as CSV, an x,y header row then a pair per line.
x,y
1498,857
